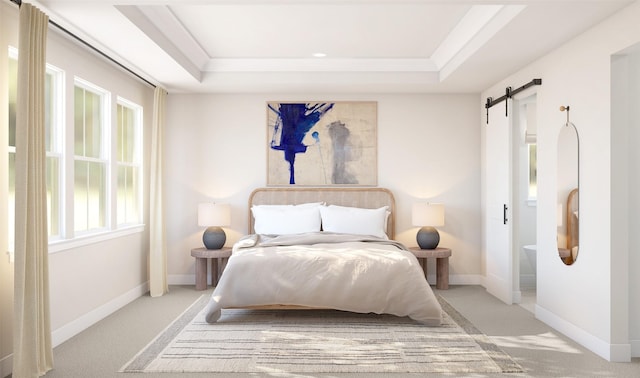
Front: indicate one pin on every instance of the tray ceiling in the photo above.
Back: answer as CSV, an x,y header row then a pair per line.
x,y
315,46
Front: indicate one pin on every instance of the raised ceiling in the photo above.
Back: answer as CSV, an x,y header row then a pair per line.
x,y
243,46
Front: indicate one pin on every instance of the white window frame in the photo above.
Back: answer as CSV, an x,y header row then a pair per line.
x,y
137,159
105,158
57,146
63,135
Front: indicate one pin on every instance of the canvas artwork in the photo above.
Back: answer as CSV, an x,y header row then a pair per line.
x,y
322,143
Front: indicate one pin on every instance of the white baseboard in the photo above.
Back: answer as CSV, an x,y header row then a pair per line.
x,y
497,287
6,365
635,348
610,352
74,327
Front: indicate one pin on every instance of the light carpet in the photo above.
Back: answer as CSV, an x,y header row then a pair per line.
x,y
319,341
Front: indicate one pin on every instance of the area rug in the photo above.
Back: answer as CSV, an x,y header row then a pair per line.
x,y
319,341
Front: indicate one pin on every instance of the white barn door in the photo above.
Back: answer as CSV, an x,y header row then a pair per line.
x,y
497,217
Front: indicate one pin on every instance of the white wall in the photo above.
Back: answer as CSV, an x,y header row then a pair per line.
x,y
634,202
88,281
625,185
427,149
581,299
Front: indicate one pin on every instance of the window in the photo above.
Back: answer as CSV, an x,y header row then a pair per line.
x,y
53,116
102,157
129,163
53,144
91,154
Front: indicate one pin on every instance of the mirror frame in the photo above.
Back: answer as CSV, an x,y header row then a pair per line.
x,y
569,253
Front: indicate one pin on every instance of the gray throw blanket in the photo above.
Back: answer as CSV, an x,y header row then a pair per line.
x,y
310,238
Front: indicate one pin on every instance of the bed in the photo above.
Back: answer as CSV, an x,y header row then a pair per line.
x,y
329,248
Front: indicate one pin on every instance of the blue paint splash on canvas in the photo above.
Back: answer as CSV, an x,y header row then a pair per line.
x,y
293,123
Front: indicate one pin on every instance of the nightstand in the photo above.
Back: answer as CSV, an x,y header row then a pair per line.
x,y
217,264
442,263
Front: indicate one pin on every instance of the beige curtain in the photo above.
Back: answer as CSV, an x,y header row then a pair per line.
x,y
32,352
157,248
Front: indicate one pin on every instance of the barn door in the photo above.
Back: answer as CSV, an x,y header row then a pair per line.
x,y
499,259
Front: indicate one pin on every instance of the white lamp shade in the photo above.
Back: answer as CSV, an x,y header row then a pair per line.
x,y
427,214
214,214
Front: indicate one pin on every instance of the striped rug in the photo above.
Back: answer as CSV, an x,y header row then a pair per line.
x,y
319,341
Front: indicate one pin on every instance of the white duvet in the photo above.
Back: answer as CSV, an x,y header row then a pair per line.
x,y
326,270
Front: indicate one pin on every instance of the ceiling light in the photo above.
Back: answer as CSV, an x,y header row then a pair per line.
x,y
319,55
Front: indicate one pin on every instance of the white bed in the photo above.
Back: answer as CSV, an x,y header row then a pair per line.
x,y
353,264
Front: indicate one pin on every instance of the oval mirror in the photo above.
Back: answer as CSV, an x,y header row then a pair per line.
x,y
568,192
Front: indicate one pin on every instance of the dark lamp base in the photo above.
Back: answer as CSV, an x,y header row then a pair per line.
x,y
214,238
428,238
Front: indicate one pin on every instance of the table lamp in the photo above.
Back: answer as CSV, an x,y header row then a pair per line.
x,y
213,216
428,216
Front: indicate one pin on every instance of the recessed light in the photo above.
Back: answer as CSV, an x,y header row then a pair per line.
x,y
319,55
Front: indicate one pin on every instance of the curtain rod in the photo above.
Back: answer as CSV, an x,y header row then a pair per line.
x,y
508,93
95,49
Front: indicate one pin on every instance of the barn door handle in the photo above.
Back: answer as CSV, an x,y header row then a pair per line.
x,y
504,213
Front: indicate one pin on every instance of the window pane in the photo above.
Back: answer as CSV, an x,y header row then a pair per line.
x,y
80,196
88,123
53,160
126,134
53,195
13,100
128,195
78,121
93,125
130,139
97,195
133,207
119,109
48,112
89,196
122,195
129,170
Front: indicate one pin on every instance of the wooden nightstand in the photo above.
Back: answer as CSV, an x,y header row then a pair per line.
x,y
217,264
442,263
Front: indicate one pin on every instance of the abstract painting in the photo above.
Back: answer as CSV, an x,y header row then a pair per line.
x,y
322,143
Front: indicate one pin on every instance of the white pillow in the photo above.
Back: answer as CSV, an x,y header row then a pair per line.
x,y
286,219
355,220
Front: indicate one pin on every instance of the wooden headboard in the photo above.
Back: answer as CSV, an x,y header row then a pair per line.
x,y
369,198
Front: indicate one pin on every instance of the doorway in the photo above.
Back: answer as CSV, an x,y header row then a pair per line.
x,y
525,199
